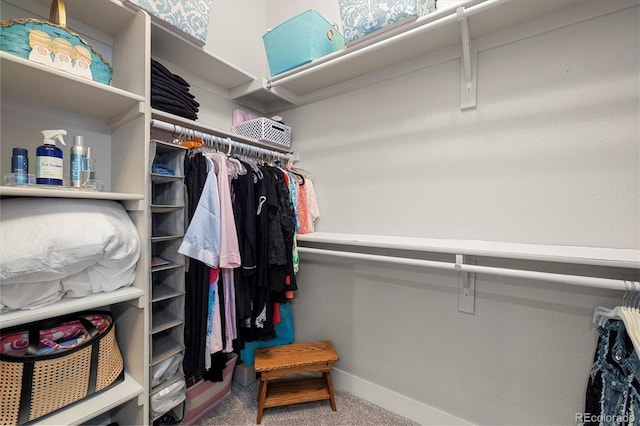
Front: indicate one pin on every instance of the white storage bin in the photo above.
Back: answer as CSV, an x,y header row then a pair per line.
x,y
265,130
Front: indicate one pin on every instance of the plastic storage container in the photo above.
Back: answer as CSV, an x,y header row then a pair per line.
x,y
265,130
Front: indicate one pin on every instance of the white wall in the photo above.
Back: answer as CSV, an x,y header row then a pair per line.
x,y
235,33
551,155
550,152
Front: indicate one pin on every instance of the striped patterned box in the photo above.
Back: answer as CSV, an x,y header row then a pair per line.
x,y
205,395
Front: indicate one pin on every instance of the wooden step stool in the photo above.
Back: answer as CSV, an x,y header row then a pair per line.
x,y
290,360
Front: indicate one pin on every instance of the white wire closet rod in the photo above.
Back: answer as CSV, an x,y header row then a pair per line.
x,y
577,280
213,141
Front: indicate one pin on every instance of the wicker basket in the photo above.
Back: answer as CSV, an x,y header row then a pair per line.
x,y
265,130
52,44
40,376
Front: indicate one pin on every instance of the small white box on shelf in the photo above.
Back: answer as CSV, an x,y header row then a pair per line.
x,y
265,130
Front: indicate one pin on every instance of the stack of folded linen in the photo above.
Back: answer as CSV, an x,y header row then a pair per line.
x,y
170,93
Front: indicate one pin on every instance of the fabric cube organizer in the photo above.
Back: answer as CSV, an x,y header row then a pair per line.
x,y
189,16
361,18
299,40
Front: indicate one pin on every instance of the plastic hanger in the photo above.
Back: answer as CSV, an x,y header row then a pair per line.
x,y
632,316
628,313
631,320
602,315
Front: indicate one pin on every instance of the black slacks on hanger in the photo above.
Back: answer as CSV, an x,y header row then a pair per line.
x,y
197,293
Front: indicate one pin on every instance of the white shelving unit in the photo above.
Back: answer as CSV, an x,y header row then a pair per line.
x,y
118,115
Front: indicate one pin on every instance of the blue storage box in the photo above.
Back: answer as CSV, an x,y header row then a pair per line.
x,y
361,18
299,40
189,16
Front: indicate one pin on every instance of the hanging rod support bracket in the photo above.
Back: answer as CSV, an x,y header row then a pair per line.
x,y
468,60
466,285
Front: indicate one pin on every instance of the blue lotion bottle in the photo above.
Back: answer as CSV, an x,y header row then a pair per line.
x,y
49,166
20,165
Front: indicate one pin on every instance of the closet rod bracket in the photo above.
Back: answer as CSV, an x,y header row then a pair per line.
x,y
468,60
466,285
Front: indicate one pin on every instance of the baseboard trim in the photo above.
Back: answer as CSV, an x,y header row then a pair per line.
x,y
393,401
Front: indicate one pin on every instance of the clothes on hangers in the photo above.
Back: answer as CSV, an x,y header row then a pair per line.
x,y
202,240
241,243
196,300
307,203
244,209
229,250
613,389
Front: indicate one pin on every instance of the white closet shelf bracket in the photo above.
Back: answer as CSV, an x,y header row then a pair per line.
x,y
468,60
466,285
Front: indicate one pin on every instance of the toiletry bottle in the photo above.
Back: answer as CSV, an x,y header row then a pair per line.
x,y
20,165
89,169
49,158
77,161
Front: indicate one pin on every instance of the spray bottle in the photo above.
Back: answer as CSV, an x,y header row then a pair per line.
x,y
49,158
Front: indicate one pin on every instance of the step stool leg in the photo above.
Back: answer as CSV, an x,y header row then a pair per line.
x,y
262,394
327,380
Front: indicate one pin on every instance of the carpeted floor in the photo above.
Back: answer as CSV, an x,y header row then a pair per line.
x,y
241,408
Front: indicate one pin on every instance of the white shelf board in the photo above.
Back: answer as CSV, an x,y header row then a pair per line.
x,y
164,348
161,238
176,377
165,322
114,15
27,79
69,305
168,266
597,256
34,191
178,50
162,292
161,208
427,34
158,178
95,405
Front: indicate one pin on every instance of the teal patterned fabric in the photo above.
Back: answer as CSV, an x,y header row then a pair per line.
x,y
363,17
189,16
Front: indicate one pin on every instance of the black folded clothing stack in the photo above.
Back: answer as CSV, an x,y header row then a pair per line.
x,y
170,93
